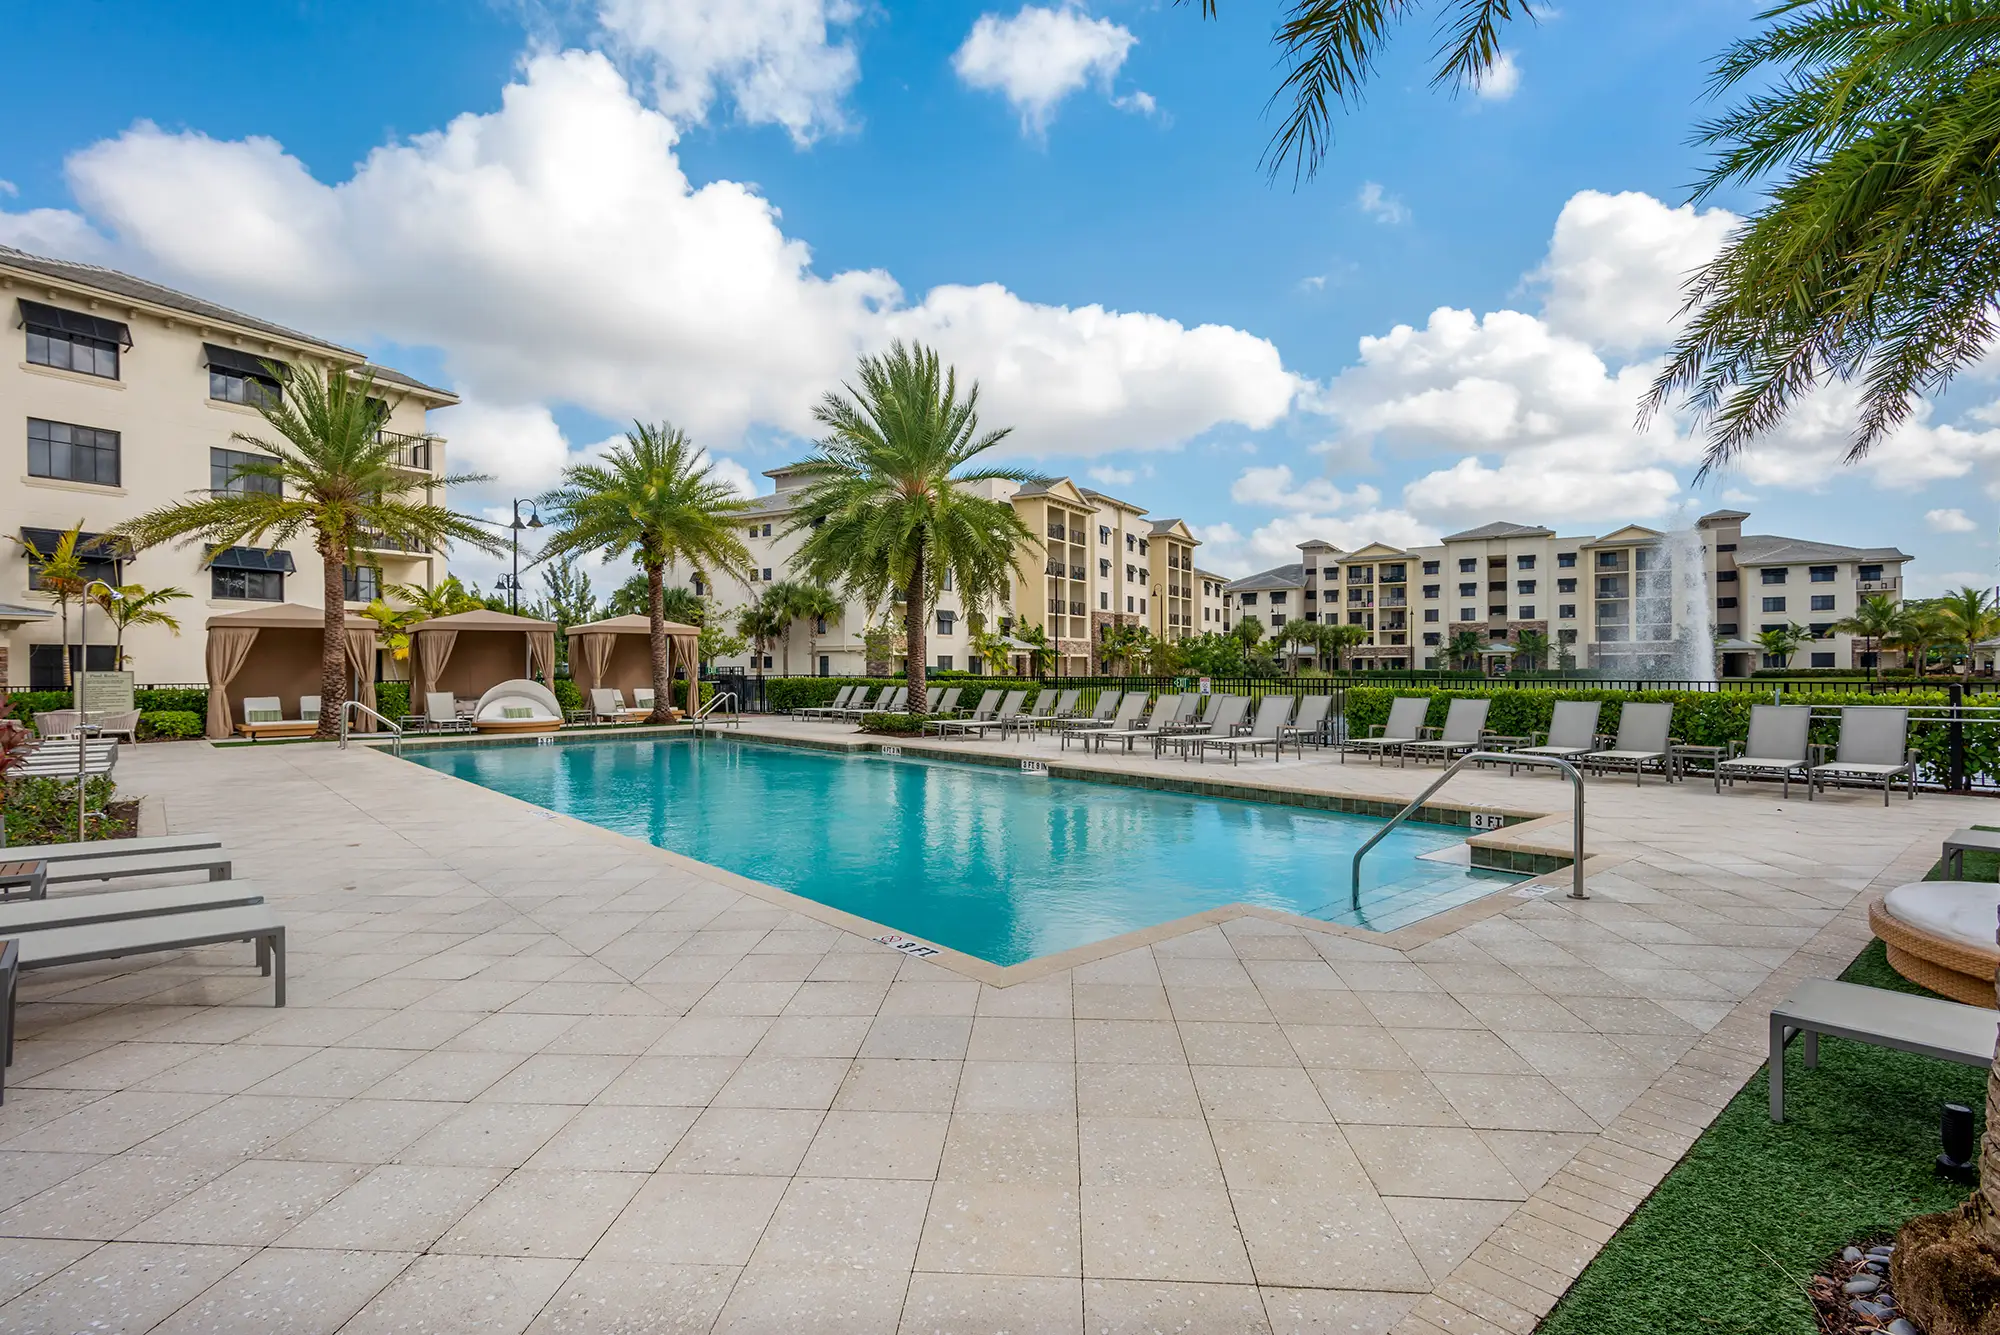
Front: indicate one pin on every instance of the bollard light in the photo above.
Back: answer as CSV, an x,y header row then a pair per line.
x,y
1956,1162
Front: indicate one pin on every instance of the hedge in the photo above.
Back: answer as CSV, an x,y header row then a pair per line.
x,y
170,724
896,725
192,700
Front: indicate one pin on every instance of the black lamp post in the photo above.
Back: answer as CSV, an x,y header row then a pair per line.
x,y
514,584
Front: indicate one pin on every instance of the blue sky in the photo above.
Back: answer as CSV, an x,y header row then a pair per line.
x,y
702,210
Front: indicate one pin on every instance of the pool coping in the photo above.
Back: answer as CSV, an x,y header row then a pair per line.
x,y
1042,966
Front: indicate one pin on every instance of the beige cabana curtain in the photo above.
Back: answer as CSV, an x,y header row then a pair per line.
x,y
227,648
684,649
433,652
542,656
592,653
361,663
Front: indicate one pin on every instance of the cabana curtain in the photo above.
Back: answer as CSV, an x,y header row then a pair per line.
x,y
433,652
361,665
227,648
592,653
542,656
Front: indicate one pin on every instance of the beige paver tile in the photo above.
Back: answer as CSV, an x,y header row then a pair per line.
x,y
446,1077
281,1291
1444,1231
119,1066
229,1070
746,1140
1119,1001
1391,1098
1432,1161
692,1219
120,1287
1418,1010
1533,1157
239,1126
106,1199
920,1036
251,1204
1335,1311
1317,1005
25,1172
542,1212
1301,1239
488,1135
783,1082
1140,1307
397,1207
1017,1087
894,1084
686,1081
1512,1103
940,996
1236,1044
510,1032
636,1298
606,1035
1259,1093
963,1304
997,1147
362,1131
1312,1157
877,1145
26,1262
1010,1228
631,1138
1022,1039
845,1223
841,1301
113,1123
1460,1052
1128,1041
795,1035
336,1072
1147,1152
1153,1088
484,1293
713,1036
1353,1047
1162,1233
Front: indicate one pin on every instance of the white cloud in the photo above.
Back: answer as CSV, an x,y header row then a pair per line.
x,y
1949,521
1113,477
1228,551
1378,204
1920,583
556,253
1617,263
1500,80
1040,56
1276,487
775,59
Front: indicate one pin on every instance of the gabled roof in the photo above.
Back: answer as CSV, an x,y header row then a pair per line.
x,y
1317,545
1722,517
1500,529
1059,487
1374,551
1174,528
1103,499
1759,549
113,283
1631,533
1283,577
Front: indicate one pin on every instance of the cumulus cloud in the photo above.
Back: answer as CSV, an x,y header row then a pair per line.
x,y
1228,551
1617,263
1501,80
556,253
1040,56
1276,487
1949,521
1113,477
1378,204
775,59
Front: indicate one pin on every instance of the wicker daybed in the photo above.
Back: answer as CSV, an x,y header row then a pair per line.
x,y
1940,935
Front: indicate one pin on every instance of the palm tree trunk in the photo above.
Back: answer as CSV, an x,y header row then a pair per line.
x,y
656,641
332,642
785,648
915,621
1986,1205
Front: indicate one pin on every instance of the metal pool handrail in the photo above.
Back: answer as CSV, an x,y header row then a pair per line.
x,y
395,729
703,714
1504,757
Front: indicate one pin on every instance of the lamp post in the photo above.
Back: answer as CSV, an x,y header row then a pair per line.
x,y
76,693
514,585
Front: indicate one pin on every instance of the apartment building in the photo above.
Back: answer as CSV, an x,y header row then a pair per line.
x,y
1094,561
124,396
1625,602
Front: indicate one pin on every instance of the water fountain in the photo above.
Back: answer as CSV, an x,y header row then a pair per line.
x,y
1693,657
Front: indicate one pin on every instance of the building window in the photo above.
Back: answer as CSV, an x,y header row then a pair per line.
x,y
1822,574
1822,602
1432,567
944,662
364,584
1142,546
945,621
1566,586
1430,614
1142,605
1278,599
1725,628
72,453
1527,612
1104,602
259,586
1104,535
1144,575
1131,573
1468,614
1467,590
1129,601
1467,565
1776,575
1566,637
1567,560
1247,599
1607,560
73,341
1566,611
767,576
1869,573
1725,576
1774,604
1524,586
1131,543
1822,630
1822,660
1725,546
1772,625
1103,568
223,479
1524,563
1433,637
1433,590
1725,603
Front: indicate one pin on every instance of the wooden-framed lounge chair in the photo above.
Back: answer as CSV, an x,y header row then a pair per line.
x,y
1779,743
1308,725
1404,725
839,701
1874,748
988,704
1002,718
264,716
1273,713
1225,719
1643,739
1167,710
1572,732
1464,728
1124,720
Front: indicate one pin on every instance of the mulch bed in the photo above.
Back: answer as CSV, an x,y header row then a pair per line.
x,y
1852,1294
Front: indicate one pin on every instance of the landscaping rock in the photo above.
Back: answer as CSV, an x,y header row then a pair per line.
x,y
1901,1326
1865,1284
1851,1254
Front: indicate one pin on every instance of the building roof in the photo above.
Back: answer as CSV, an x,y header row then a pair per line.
x,y
1166,527
1112,500
1283,577
1500,529
1723,516
777,503
1762,549
113,283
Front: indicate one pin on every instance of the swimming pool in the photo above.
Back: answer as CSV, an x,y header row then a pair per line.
x,y
997,864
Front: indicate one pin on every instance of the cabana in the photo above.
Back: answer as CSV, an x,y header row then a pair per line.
x,y
617,654
468,653
275,651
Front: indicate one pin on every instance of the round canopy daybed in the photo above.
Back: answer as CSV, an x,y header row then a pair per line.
x,y
1940,935
518,706
617,654
273,655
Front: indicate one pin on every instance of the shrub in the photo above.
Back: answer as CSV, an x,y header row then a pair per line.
x,y
169,724
392,698
896,725
43,811
567,695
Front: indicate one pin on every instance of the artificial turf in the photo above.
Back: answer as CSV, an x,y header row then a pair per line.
x,y
1729,1242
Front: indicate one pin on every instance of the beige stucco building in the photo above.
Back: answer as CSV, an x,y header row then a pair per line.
x,y
120,396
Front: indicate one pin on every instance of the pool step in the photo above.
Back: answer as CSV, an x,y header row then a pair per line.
x,y
1435,887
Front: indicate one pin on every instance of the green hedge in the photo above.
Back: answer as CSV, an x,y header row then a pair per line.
x,y
896,725
193,700
786,694
170,724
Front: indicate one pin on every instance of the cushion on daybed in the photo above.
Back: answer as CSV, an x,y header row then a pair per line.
x,y
1961,911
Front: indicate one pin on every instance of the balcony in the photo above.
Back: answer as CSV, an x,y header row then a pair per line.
x,y
1056,568
413,452
1878,585
1078,609
1394,598
1077,572
382,542
1058,532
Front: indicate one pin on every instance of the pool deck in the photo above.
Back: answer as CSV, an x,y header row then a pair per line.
x,y
538,1076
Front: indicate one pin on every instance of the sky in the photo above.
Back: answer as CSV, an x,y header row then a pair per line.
x,y
581,213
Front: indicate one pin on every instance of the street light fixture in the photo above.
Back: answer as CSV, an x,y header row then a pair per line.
x,y
76,691
534,521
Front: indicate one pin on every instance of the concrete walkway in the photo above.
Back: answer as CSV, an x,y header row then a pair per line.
x,y
536,1076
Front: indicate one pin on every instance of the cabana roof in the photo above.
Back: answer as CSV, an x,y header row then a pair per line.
x,y
481,618
286,616
631,625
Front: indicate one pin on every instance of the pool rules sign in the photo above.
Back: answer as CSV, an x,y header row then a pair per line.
x,y
104,693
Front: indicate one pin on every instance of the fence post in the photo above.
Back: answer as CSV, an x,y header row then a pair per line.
x,y
1955,777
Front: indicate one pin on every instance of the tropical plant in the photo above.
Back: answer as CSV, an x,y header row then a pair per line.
x,y
717,641
1465,649
1782,642
15,741
1330,48
631,598
797,600
1874,259
656,497
448,597
1040,652
1876,618
61,575
1213,654
760,621
330,474
1920,627
568,600
1532,648
1249,630
882,642
136,605
889,503
1121,642
1335,640
992,648
1967,617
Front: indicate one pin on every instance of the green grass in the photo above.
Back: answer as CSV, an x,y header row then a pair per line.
x,y
1728,1243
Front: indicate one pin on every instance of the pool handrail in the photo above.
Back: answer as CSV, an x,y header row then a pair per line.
x,y
395,729
1496,757
704,714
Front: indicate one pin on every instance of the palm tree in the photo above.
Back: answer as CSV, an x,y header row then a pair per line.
x,y
1249,630
657,497
802,600
1465,649
1336,640
760,621
1876,618
991,648
1967,617
1120,643
889,505
1039,649
1874,260
332,475
447,597
1781,642
136,605
1533,648
1920,627
61,575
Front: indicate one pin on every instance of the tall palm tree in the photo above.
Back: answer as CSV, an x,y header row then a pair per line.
x,y
447,597
333,477
1533,648
1337,639
889,505
796,600
1120,643
137,605
657,497
61,575
1968,617
1874,260
685,606
1921,626
1876,617
1782,642
1465,649
760,621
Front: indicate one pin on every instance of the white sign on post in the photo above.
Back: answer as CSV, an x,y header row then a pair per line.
x,y
104,693
1204,685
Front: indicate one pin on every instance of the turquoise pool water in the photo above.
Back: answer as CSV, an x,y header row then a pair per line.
x,y
992,862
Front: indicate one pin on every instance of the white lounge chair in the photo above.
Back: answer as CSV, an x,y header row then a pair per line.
x,y
1642,740
1464,728
1874,748
1779,743
1405,725
1273,713
1572,732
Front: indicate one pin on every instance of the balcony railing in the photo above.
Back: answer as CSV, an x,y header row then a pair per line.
x,y
1878,585
411,451
382,542
1058,532
1078,609
1077,572
1056,568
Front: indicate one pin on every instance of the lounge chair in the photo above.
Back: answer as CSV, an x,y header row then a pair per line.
x,y
1100,714
1779,743
10,972
889,703
839,701
948,702
144,936
1874,747
1405,725
1065,710
264,716
1572,732
1043,711
1874,1015
1939,935
440,715
1167,711
114,863
1642,740
1273,713
858,702
59,760
55,854
81,910
1309,725
519,706
988,703
1003,718
1125,719
1226,718
1464,729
